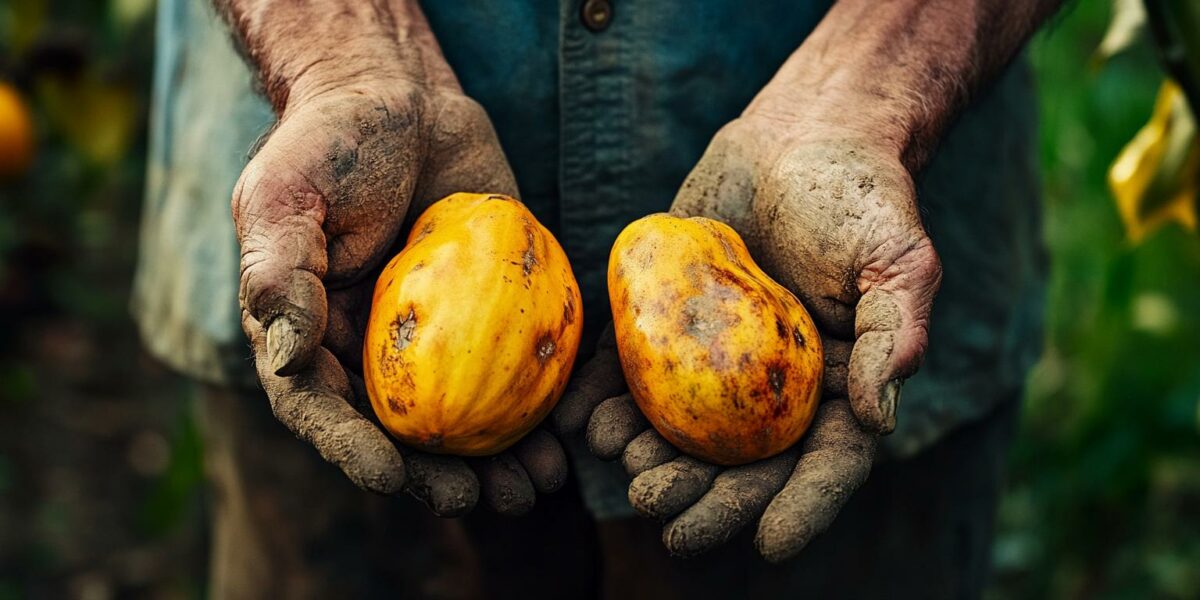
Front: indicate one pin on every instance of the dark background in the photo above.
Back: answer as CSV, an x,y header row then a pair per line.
x,y
101,489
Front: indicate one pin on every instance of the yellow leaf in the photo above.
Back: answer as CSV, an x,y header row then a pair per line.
x,y
1154,179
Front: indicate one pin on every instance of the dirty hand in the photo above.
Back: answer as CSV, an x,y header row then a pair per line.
x,y
817,177
832,216
318,212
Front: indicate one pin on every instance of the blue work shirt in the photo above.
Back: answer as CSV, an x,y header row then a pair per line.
x,y
601,122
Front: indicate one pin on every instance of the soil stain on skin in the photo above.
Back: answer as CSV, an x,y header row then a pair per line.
x,y
343,161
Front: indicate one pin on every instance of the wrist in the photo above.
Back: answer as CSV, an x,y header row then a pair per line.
x,y
838,108
303,78
304,50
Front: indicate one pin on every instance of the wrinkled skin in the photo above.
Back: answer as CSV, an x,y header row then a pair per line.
x,y
833,217
318,211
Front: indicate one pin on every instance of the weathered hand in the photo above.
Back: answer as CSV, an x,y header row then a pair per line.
x,y
318,211
832,217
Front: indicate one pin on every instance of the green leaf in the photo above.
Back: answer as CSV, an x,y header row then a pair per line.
x,y
1176,28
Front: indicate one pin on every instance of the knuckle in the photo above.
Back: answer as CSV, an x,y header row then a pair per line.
x,y
460,116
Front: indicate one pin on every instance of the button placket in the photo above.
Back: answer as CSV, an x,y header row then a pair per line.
x,y
594,122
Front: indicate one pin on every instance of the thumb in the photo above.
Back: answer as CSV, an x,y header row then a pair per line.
x,y
279,217
891,331
720,186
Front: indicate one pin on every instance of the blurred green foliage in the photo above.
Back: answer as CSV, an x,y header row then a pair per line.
x,y
1105,478
100,468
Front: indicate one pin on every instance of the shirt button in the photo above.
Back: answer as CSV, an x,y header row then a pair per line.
x,y
597,14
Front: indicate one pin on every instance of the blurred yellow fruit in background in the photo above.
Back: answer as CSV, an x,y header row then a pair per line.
x,y
16,133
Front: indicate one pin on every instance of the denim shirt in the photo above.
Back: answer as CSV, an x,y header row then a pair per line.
x,y
601,124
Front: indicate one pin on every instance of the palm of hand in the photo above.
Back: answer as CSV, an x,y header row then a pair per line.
x,y
836,223
319,210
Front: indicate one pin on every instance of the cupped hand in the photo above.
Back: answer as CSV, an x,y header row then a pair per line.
x,y
831,214
318,211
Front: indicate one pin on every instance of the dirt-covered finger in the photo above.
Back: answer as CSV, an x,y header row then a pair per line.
x,y
504,484
347,322
837,366
663,491
648,450
720,186
544,460
738,496
279,217
445,484
835,460
315,405
891,331
613,425
597,380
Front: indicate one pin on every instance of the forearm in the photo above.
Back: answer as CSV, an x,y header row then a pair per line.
x,y
898,71
302,49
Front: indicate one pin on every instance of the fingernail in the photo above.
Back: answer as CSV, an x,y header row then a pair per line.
x,y
282,341
888,402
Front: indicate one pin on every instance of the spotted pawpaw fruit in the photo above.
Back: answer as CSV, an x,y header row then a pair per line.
x,y
724,362
474,328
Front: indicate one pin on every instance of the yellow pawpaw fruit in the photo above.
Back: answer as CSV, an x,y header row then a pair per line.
x,y
724,362
474,328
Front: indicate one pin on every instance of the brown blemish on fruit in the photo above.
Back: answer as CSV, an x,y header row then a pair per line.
x,y
737,402
799,337
728,279
397,407
403,330
780,328
528,259
569,307
416,267
426,230
745,360
545,348
704,318
775,377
